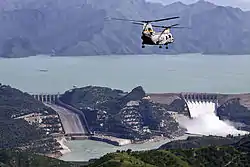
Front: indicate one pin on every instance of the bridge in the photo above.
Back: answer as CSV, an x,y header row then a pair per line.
x,y
197,104
73,120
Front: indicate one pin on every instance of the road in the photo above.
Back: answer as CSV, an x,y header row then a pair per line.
x,y
71,122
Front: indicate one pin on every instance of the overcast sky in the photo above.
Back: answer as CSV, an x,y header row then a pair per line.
x,y
243,4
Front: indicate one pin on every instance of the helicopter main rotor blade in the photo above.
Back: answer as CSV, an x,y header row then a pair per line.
x,y
165,27
169,18
138,23
171,26
182,27
144,21
124,19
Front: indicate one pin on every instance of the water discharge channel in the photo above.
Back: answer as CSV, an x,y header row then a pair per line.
x,y
204,120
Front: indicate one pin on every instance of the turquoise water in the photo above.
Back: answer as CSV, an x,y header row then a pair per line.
x,y
87,149
156,73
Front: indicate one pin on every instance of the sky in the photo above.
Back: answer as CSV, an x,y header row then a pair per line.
x,y
243,4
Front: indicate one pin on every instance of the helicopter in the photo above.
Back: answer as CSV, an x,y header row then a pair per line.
x,y
150,36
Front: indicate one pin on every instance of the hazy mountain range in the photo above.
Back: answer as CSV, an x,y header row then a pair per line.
x,y
78,27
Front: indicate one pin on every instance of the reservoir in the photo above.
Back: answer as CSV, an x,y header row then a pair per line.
x,y
156,73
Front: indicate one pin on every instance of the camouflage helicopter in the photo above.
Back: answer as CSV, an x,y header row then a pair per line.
x,y
151,37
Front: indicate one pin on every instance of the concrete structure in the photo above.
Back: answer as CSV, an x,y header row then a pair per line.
x,y
46,97
73,120
199,99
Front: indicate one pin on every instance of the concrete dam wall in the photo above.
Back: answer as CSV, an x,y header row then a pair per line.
x,y
198,104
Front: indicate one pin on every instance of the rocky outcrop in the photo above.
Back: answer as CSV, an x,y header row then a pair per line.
x,y
123,114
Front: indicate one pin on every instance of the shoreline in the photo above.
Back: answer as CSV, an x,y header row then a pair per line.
x,y
130,54
64,148
115,141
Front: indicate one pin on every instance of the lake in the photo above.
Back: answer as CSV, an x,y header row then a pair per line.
x,y
156,73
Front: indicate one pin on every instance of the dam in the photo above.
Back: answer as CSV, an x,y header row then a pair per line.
x,y
203,119
198,104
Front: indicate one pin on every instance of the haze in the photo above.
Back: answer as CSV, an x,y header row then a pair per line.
x,y
243,4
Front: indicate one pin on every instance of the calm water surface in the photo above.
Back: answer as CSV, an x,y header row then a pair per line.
x,y
87,149
156,73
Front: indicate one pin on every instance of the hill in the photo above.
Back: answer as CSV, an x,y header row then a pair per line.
x,y
236,154
122,114
198,142
228,155
78,28
17,130
10,158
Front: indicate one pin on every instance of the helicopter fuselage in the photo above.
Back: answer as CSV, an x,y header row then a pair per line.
x,y
151,37
157,38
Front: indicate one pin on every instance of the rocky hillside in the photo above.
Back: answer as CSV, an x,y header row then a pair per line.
x,y
15,131
123,114
78,28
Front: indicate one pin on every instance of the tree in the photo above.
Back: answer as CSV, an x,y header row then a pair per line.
x,y
129,151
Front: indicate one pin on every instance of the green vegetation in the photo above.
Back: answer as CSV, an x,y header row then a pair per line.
x,y
15,158
200,157
205,141
231,155
18,132
119,160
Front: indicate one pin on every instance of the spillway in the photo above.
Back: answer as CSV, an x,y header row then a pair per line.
x,y
197,109
204,120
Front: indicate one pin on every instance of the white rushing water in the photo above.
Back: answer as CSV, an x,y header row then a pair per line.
x,y
200,108
205,121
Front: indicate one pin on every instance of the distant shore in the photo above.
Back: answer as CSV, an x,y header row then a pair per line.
x,y
131,54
